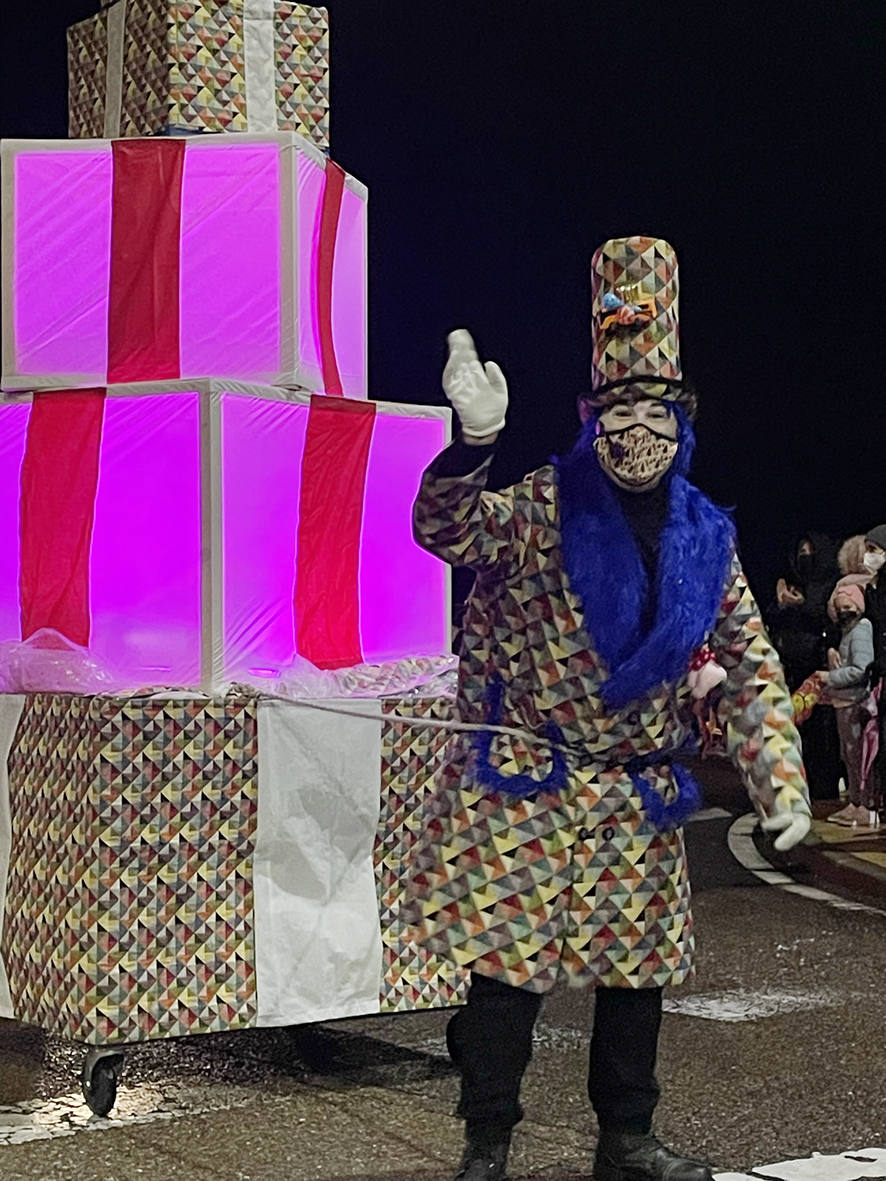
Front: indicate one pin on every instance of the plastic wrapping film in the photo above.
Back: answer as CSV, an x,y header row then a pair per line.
x,y
50,661
430,676
193,557
13,432
252,310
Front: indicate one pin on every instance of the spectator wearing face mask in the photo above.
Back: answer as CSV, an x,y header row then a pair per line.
x,y
798,620
850,559
802,632
875,610
847,687
875,592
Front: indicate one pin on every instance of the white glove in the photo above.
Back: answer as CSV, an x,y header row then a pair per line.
x,y
791,817
478,392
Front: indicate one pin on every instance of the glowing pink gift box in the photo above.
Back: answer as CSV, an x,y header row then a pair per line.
x,y
137,260
193,534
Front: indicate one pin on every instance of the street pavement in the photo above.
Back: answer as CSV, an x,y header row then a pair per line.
x,y
776,1052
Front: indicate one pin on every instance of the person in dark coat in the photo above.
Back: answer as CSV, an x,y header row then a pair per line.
x,y
802,632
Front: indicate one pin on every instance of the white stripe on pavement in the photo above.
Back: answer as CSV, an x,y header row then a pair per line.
x,y
66,1115
853,1165
745,852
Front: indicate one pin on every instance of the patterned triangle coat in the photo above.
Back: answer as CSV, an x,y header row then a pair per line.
x,y
578,882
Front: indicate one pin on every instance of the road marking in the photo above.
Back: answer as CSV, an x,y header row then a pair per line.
x,y
738,1005
708,814
67,1115
853,1165
746,853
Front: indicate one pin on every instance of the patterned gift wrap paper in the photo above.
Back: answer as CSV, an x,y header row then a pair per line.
x,y
414,978
129,911
130,899
148,67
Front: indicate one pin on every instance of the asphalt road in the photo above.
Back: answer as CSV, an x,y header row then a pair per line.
x,y
776,1051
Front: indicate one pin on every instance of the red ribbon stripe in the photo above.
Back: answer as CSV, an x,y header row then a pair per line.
x,y
59,477
143,303
333,477
329,216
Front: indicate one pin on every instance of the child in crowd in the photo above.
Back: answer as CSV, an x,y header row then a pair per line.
x,y
846,681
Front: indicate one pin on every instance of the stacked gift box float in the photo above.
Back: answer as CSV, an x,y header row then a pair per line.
x,y
196,485
196,489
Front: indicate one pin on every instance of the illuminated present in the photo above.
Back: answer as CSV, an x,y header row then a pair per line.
x,y
237,257
194,534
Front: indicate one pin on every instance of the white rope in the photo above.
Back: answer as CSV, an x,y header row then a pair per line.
x,y
397,719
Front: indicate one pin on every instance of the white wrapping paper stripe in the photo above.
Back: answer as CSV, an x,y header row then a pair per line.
x,y
116,26
11,706
318,948
258,62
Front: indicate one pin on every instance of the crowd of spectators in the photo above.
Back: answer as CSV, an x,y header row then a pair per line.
x,y
828,622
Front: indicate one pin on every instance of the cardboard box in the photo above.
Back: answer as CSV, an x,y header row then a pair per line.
x,y
212,865
195,534
238,257
150,67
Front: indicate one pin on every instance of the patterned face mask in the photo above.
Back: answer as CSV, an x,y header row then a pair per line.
x,y
635,456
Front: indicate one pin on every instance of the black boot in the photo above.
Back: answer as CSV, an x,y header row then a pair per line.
x,y
486,1153
638,1156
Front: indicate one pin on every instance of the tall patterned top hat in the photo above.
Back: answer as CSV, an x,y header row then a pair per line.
x,y
636,330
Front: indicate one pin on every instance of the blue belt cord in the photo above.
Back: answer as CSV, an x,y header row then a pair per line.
x,y
666,817
520,786
663,816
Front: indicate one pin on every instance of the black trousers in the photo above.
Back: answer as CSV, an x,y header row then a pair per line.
x,y
490,1040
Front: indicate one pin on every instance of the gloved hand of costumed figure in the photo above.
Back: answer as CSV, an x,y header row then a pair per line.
x,y
478,392
790,816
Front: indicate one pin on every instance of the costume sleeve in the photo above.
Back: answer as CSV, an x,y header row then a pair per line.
x,y
761,737
456,518
861,653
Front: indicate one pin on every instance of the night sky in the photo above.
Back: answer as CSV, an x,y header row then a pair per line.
x,y
502,142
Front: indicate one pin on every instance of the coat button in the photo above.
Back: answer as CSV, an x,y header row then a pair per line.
x,y
608,833
584,834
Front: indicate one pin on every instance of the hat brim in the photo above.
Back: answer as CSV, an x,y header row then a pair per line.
x,y
636,388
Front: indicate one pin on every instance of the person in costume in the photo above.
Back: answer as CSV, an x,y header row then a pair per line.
x,y
553,849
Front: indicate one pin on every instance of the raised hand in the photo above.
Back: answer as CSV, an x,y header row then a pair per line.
x,y
479,393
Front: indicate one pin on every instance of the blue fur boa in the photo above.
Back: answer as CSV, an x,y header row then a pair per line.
x,y
605,569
